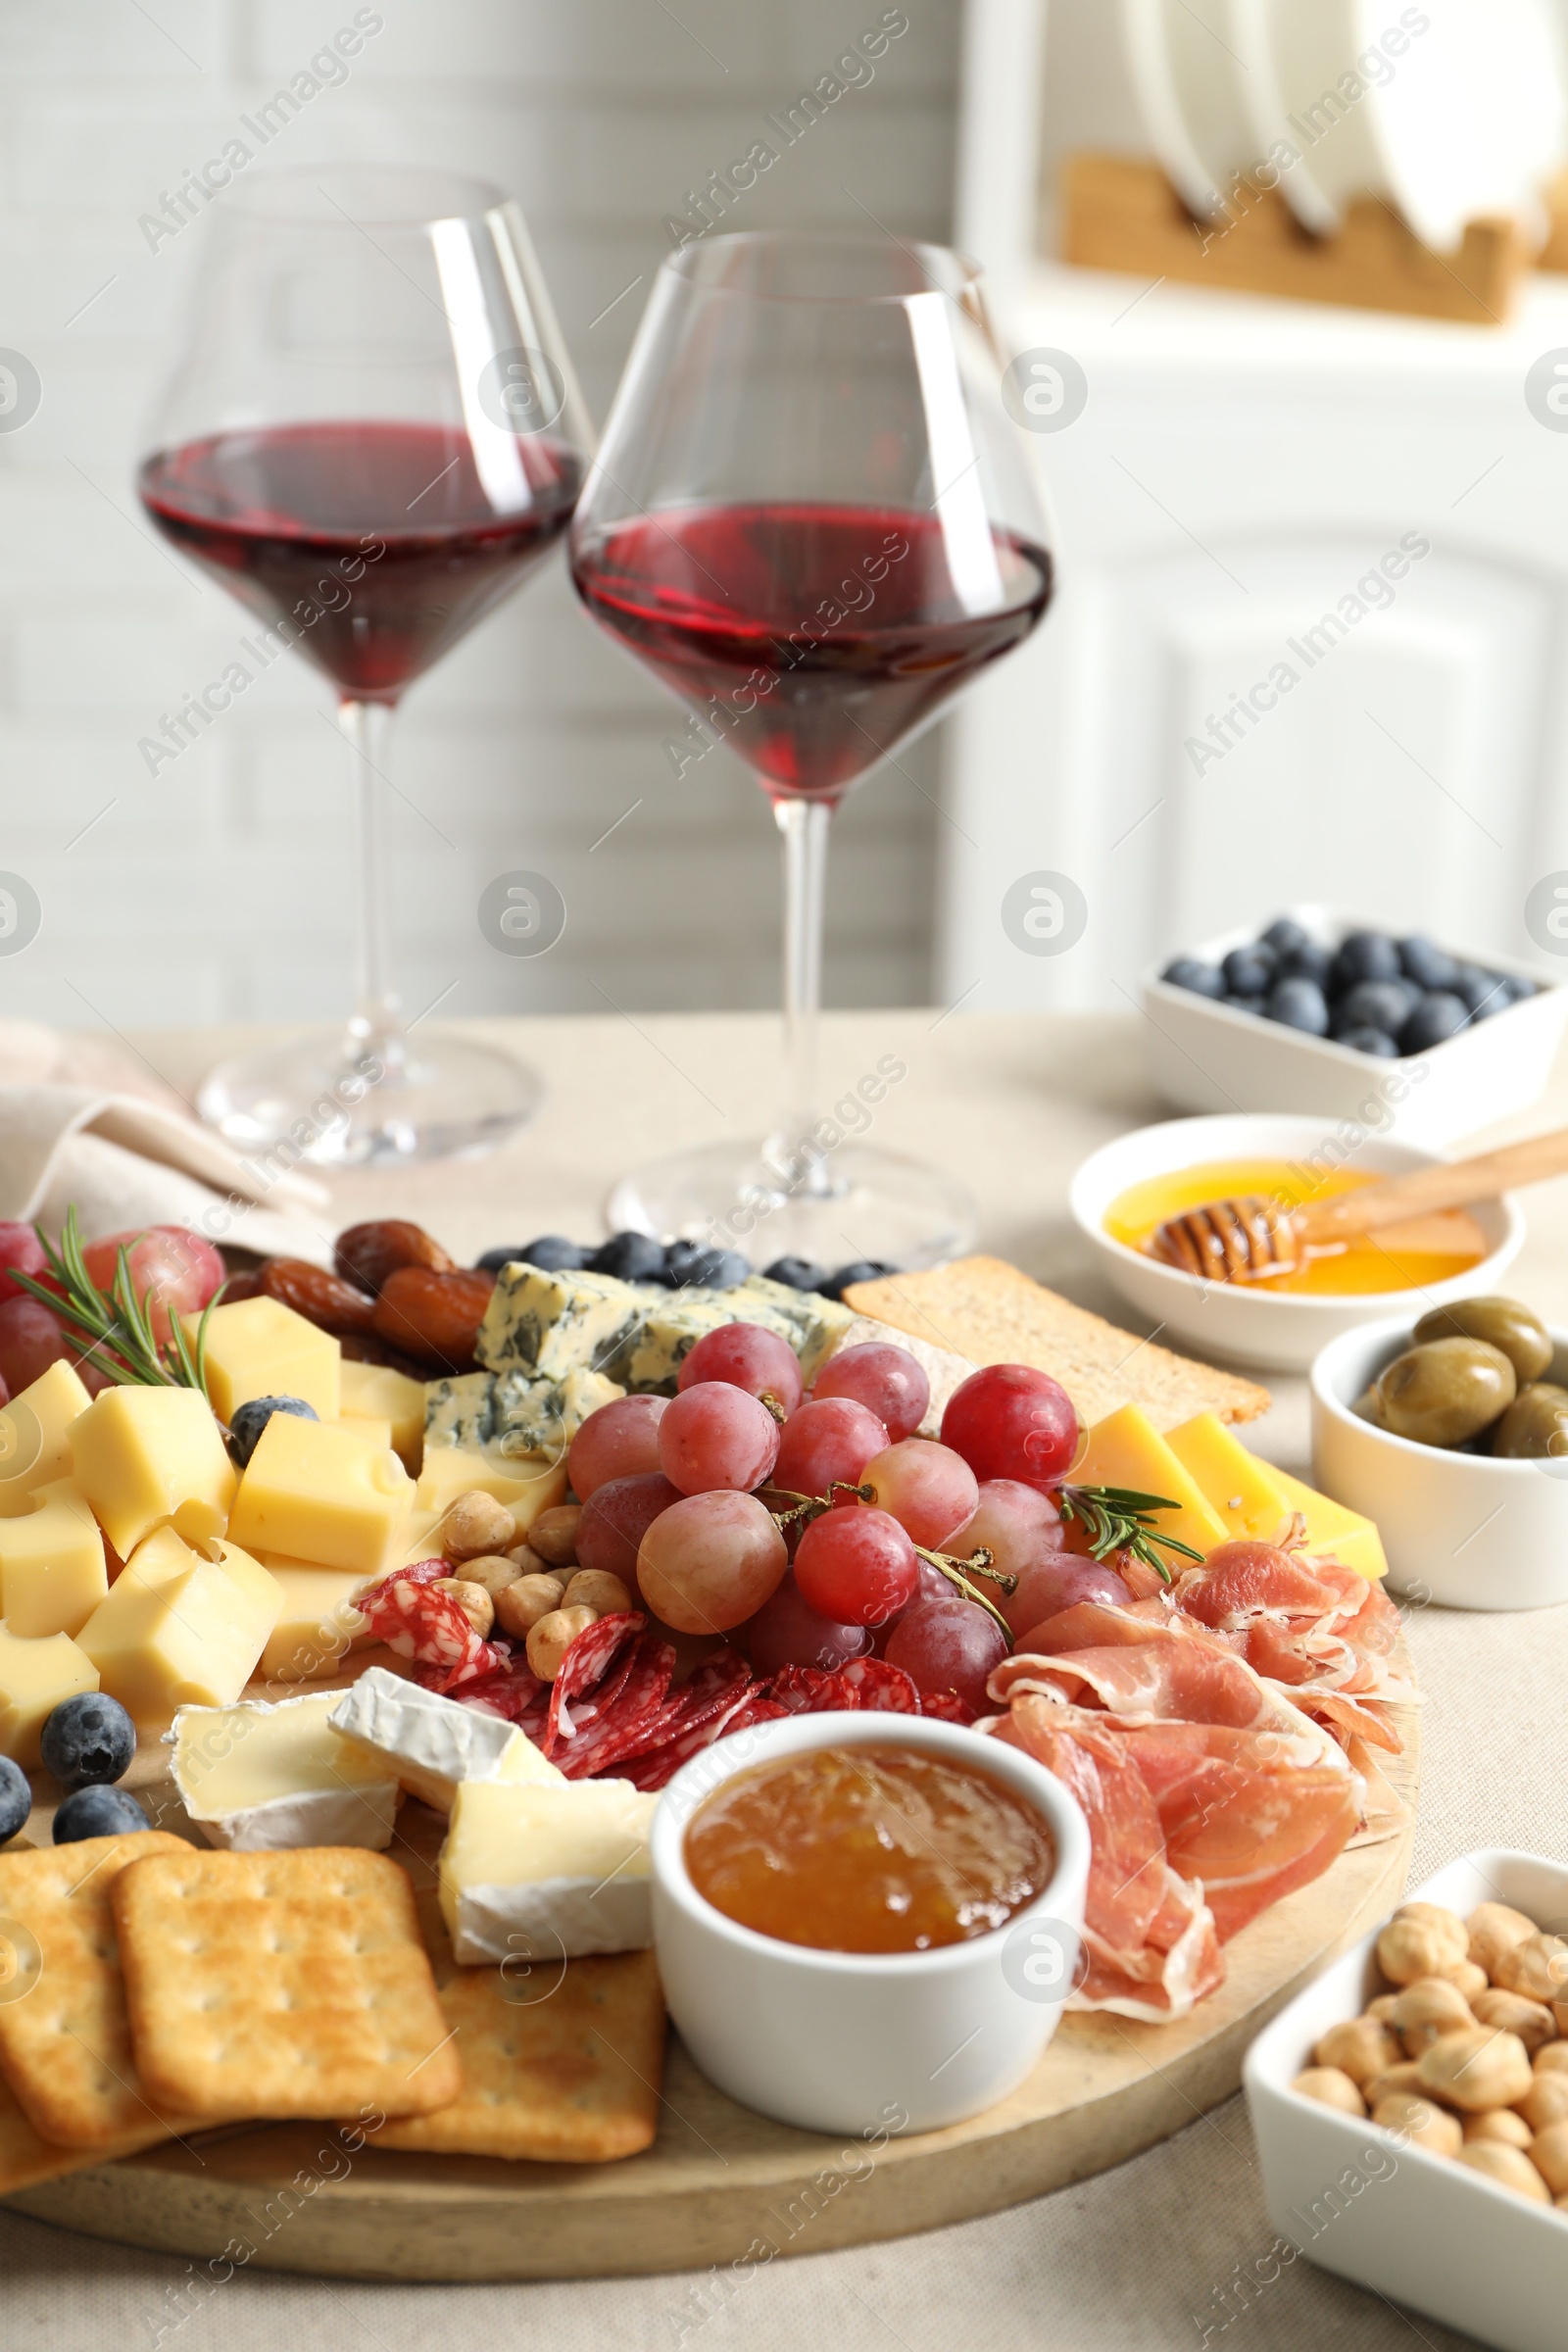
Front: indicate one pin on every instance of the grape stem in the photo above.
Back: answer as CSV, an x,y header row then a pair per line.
x,y
958,1572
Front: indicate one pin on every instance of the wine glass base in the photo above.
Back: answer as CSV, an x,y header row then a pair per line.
x,y
864,1202
449,1097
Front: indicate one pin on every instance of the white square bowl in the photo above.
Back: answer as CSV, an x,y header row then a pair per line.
x,y
1414,2227
1208,1056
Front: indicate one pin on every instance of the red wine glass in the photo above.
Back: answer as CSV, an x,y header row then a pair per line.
x,y
813,520
371,436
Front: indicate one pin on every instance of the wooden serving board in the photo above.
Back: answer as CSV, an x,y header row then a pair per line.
x,y
721,2185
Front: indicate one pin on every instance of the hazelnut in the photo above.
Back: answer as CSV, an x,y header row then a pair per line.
x,y
491,1570
1360,2049
1500,2124
1477,2070
1469,1978
1422,1939
472,1599
1407,2075
528,1561
1510,2168
1548,2153
1383,2007
1544,2105
597,1589
520,1605
1426,2010
1513,2013
1331,2087
550,1639
475,1524
1418,2120
553,1534
1537,1967
1553,2059
1493,1927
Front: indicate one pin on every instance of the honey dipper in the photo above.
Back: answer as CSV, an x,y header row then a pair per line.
x,y
1251,1239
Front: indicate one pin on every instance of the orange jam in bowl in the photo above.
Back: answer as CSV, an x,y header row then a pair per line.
x,y
868,1850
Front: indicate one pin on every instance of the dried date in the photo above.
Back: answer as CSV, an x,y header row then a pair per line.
x,y
367,1255
321,1297
435,1317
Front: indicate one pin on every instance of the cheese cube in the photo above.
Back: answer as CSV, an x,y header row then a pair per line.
x,y
34,1677
1331,1528
180,1632
315,1492
261,1347
258,1776
370,1430
526,1488
1235,1482
1126,1450
434,1744
52,1569
317,1625
541,1872
35,1448
151,1457
376,1388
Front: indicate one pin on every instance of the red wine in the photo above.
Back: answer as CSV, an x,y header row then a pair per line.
x,y
812,638
376,543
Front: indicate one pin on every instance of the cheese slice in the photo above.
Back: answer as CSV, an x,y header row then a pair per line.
x,y
315,1492
1126,1450
1331,1529
435,1745
1235,1482
33,1445
537,1873
256,1777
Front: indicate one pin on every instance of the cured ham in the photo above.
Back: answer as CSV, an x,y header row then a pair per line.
x,y
1308,1623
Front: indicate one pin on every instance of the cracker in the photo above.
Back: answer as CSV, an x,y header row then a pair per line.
x,y
25,2159
562,2061
64,2041
984,1309
276,1984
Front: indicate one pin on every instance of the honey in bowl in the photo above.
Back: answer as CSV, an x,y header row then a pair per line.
x,y
1399,1257
868,1850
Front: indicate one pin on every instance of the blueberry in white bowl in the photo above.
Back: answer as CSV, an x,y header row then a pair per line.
x,y
1249,971
1426,963
1438,1016
1184,971
88,1740
1299,1003
1366,955
97,1812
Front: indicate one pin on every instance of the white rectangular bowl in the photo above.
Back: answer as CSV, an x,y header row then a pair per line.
x,y
1208,1056
1418,2228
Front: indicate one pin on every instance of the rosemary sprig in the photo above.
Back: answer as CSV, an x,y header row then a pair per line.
x,y
116,1325
1118,1519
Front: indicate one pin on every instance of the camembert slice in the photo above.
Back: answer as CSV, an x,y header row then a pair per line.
x,y
257,1776
435,1745
536,1873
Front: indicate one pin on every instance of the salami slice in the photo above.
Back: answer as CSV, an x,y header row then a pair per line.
x,y
877,1686
659,1764
512,1694
585,1664
430,1628
719,1683
621,1725
803,1691
946,1706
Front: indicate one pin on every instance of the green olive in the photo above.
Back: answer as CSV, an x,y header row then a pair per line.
x,y
1369,1405
1445,1391
1502,1323
1536,1424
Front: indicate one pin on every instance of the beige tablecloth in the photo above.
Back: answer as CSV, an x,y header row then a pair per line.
x,y
1134,2260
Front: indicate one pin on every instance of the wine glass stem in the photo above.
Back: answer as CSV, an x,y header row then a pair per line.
x,y
804,827
377,1026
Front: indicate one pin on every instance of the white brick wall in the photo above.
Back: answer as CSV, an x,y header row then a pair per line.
x,y
221,889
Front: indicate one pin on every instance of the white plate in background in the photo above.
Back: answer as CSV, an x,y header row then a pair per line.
x,y
1182,57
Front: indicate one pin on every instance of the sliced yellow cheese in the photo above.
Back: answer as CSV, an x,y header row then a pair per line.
x,y
52,1569
318,1624
1126,1450
178,1633
315,1492
1235,1482
35,1448
453,1470
371,1429
377,1390
151,1457
1331,1529
34,1677
261,1347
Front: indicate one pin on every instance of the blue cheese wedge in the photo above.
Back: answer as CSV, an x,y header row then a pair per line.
x,y
434,1746
547,1874
547,1325
551,1324
255,1777
515,1415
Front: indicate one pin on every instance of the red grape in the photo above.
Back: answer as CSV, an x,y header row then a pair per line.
x,y
929,1489
620,1440
786,1632
1017,1524
718,1436
857,1566
827,1441
172,1268
710,1561
20,1248
30,1341
885,1380
1056,1581
949,1645
616,1517
748,1357
1009,1421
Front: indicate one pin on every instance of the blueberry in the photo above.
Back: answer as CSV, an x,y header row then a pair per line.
x,y
1200,979
1246,1004
796,1274
1440,1015
97,1812
1249,971
1369,1041
549,1253
631,1258
1285,937
16,1801
1308,963
1298,1005
1429,966
1377,1005
860,1269
700,1266
1365,956
1485,993
252,1417
86,1739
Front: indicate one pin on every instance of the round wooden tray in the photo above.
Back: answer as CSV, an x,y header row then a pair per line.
x,y
721,2185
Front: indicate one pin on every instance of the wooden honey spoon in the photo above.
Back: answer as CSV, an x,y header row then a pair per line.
x,y
1251,1239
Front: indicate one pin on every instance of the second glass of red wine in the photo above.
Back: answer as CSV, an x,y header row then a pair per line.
x,y
812,519
371,436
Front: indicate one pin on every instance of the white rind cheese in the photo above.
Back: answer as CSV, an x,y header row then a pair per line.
x,y
637,1334
434,1746
256,1778
547,1874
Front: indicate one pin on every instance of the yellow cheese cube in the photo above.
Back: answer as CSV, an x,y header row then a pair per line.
x,y
1126,1450
453,1470
151,1457
52,1569
370,1429
35,1448
34,1677
173,1635
1331,1529
376,1388
1235,1482
316,1492
318,1624
261,1347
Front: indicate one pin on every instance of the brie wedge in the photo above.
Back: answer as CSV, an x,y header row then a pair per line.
x,y
255,1776
434,1746
535,1873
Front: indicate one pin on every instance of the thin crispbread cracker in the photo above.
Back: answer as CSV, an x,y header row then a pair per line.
x,y
66,2047
984,1309
282,1983
562,2061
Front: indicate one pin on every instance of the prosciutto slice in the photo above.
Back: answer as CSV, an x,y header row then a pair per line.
x,y
1308,1623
